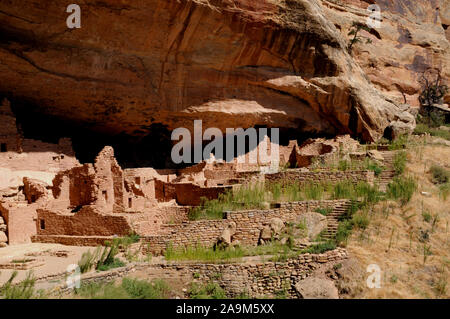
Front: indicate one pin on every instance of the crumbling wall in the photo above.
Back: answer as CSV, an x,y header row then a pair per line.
x,y
248,226
300,176
87,222
20,219
187,194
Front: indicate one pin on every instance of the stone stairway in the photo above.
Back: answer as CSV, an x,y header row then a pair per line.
x,y
384,179
388,173
388,159
333,218
3,233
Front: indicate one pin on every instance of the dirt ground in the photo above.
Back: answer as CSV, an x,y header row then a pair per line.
x,y
412,266
41,252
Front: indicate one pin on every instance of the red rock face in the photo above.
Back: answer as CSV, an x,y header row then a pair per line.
x,y
230,63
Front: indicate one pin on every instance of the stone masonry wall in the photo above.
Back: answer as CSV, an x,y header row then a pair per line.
x,y
255,280
248,226
299,176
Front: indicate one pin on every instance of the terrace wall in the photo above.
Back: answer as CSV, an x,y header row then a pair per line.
x,y
299,176
248,226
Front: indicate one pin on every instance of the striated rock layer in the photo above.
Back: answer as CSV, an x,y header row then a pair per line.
x,y
231,63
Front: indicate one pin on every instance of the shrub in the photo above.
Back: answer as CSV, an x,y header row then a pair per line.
x,y
320,248
324,211
360,221
427,216
88,260
375,168
424,128
209,291
23,290
402,189
103,259
129,288
444,190
142,289
439,174
400,143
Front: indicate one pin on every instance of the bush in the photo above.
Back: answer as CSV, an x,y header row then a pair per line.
x,y
400,143
324,211
88,260
128,289
444,190
439,174
424,128
104,259
320,248
400,163
375,168
142,289
360,221
22,290
209,291
402,189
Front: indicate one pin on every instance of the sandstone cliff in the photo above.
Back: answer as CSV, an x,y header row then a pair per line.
x,y
231,63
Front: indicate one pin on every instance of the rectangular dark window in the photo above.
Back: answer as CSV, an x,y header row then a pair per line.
x,y
105,195
137,180
3,148
42,224
130,202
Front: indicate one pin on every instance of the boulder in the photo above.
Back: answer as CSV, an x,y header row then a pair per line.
x,y
317,288
266,233
399,128
315,223
375,155
34,189
277,226
3,237
225,238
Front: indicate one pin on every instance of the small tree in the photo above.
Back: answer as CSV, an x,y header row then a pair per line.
x,y
354,30
433,92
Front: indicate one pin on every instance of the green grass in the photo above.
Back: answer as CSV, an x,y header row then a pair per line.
x,y
22,290
424,128
402,189
399,144
377,169
201,253
104,258
209,290
439,174
253,197
128,289
320,248
324,211
444,191
400,160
